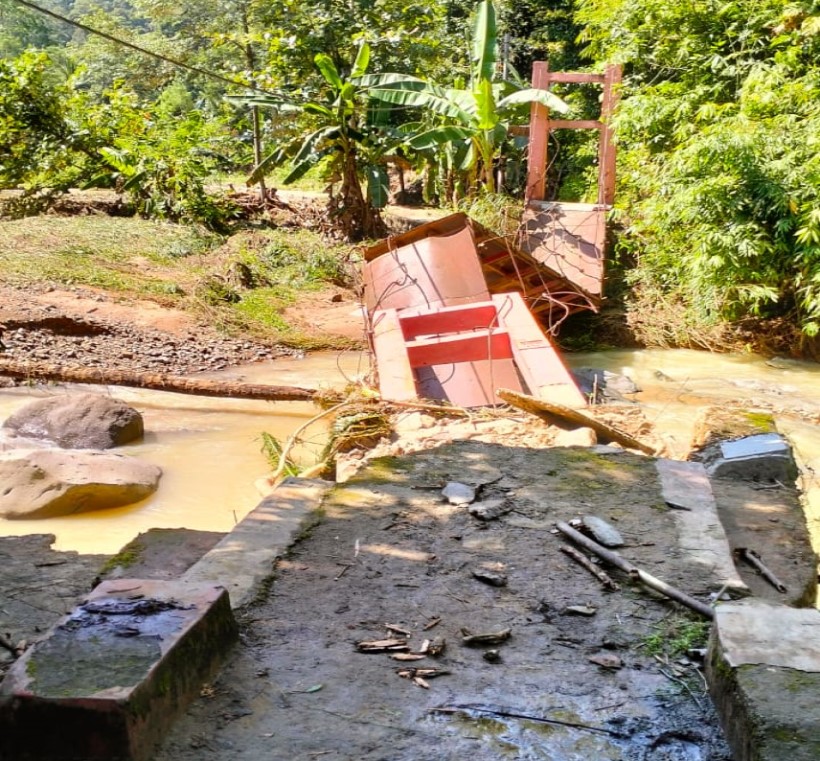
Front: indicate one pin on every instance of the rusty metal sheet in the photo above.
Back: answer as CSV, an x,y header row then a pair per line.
x,y
568,239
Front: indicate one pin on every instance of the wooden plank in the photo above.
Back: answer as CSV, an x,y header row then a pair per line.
x,y
449,320
536,357
568,240
396,380
606,159
444,226
468,384
431,271
564,417
575,124
576,77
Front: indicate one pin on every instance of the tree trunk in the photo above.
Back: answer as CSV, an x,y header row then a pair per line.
x,y
356,218
157,382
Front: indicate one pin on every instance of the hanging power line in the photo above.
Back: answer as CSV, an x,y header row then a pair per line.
x,y
118,41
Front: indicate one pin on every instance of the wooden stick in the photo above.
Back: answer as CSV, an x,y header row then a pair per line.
x,y
505,713
636,573
754,560
570,419
158,382
584,561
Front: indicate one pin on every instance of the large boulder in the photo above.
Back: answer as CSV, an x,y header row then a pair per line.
x,y
47,483
78,421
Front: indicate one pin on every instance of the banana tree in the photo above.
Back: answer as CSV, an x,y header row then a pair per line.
x,y
345,137
473,121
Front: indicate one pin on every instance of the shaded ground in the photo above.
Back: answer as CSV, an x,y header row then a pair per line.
x,y
388,550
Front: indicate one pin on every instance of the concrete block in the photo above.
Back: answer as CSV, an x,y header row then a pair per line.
x,y
763,671
687,492
763,457
109,679
245,558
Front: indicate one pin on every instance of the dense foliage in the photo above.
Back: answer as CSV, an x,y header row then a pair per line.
x,y
718,202
719,134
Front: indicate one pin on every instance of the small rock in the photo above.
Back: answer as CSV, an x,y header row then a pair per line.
x,y
490,509
607,661
458,494
580,437
603,532
492,656
493,578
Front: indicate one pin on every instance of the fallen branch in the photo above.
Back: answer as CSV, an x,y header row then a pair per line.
x,y
110,377
613,558
568,418
489,638
293,439
754,560
584,561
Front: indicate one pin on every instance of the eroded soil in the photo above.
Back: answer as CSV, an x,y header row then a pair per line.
x,y
88,328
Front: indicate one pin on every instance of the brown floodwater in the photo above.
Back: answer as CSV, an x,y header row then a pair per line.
x,y
210,449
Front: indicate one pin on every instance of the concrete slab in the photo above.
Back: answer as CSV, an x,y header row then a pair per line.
x,y
764,677
108,680
686,490
245,558
751,446
758,632
763,457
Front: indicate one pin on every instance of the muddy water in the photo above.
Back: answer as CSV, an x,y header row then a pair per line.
x,y
209,449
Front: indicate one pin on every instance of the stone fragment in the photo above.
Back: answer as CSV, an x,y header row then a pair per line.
x,y
458,494
763,457
603,532
603,385
78,421
580,437
580,610
47,483
489,509
493,578
606,661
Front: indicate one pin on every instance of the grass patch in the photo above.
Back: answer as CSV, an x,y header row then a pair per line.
x,y
128,255
676,635
240,285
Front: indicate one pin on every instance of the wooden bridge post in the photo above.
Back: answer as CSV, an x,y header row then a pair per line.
x,y
538,138
606,147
